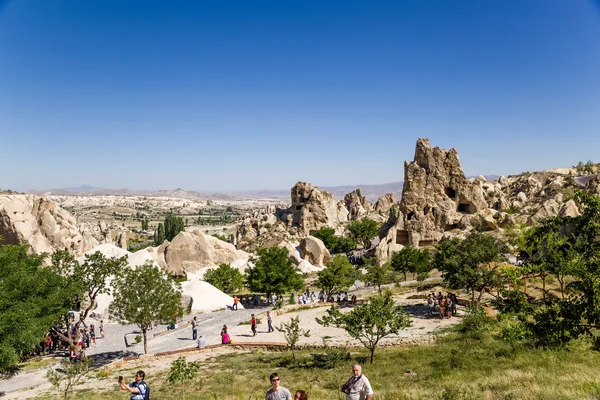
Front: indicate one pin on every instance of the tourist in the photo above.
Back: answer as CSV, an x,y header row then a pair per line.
x,y
346,297
93,333
137,388
313,297
300,395
442,307
225,339
321,296
201,342
303,298
253,325
449,306
235,303
270,322
430,304
256,300
195,328
277,392
454,303
102,328
274,299
358,386
299,299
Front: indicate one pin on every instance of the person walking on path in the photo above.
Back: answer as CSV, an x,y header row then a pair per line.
x,y
235,303
195,328
102,328
277,392
253,325
358,386
430,304
270,322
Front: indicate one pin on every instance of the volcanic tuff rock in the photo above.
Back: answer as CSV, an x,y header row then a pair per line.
x,y
190,251
42,224
314,251
357,205
313,208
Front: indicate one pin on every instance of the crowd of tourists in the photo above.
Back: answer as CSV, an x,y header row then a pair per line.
x,y
446,305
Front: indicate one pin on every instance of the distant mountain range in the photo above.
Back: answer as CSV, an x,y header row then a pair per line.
x,y
371,192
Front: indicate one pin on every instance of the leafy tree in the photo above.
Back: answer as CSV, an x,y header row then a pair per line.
x,y
273,272
470,263
335,244
173,225
145,295
369,323
65,378
159,234
292,332
363,231
144,224
225,278
412,260
378,274
182,373
88,279
32,299
337,276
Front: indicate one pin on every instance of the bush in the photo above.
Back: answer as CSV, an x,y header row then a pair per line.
x,y
476,319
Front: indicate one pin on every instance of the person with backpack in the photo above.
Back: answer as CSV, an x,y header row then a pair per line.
x,y
139,389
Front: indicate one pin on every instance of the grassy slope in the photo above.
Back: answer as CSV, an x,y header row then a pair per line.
x,y
457,367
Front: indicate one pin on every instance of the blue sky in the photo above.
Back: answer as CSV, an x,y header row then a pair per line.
x,y
236,95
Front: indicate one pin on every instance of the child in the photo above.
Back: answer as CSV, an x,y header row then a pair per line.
x,y
253,325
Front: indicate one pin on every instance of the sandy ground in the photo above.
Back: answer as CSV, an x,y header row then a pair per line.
x,y
30,384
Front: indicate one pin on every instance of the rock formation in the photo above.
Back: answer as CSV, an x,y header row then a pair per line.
x,y
43,225
314,251
190,251
357,205
313,208
122,240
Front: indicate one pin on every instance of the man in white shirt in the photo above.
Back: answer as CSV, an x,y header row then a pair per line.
x,y
358,386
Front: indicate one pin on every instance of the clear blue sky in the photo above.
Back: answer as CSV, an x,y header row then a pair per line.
x,y
232,95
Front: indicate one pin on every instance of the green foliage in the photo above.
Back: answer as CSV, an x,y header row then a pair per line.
x,y
337,276
273,272
475,319
363,231
145,295
378,274
588,167
292,332
173,225
335,244
32,299
159,234
470,263
225,278
88,279
555,324
64,378
369,323
221,237
182,373
144,224
410,259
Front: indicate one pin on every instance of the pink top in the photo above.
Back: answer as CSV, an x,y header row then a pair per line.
x,y
225,339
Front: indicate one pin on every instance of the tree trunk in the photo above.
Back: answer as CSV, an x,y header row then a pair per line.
x,y
372,353
145,342
562,288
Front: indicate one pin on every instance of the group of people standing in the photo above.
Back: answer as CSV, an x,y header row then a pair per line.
x,y
446,305
357,387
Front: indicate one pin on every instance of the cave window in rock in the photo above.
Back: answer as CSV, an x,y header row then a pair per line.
x,y
298,208
427,243
451,193
449,227
465,208
402,237
426,210
410,216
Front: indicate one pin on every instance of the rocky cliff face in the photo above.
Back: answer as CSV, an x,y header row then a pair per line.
x,y
313,208
43,225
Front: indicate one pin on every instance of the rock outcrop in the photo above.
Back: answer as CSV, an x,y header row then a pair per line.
x,y
190,251
357,205
314,251
43,225
313,208
122,240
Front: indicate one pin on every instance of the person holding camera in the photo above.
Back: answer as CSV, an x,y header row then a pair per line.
x,y
358,386
137,388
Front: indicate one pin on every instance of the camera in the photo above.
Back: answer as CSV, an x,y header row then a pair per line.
x,y
120,378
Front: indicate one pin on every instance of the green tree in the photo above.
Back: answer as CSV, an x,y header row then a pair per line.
x,y
225,278
337,276
363,230
65,378
159,234
378,274
173,225
182,373
88,280
145,295
32,299
410,259
273,272
470,263
335,244
292,332
369,323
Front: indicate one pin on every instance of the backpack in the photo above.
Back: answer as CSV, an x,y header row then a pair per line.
x,y
147,391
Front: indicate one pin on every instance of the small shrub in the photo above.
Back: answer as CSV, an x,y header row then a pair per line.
x,y
138,339
476,319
